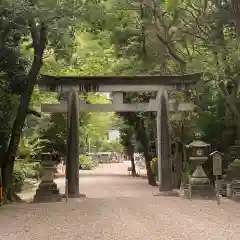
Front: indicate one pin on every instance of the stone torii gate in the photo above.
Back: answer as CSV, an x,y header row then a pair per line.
x,y
118,85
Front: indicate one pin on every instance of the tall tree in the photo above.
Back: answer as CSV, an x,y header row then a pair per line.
x,y
31,21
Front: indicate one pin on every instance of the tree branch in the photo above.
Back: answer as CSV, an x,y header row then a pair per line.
x,y
225,94
236,12
34,33
4,35
171,49
34,113
196,19
192,34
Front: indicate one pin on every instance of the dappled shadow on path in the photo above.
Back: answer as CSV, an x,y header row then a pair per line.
x,y
108,175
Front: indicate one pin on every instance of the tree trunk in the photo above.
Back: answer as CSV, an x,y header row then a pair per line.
x,y
142,137
150,175
131,155
3,143
178,166
134,174
8,165
236,12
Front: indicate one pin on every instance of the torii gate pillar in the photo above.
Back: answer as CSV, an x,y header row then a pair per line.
x,y
72,163
164,143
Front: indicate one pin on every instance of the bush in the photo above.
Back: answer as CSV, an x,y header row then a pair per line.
x,y
154,166
37,167
23,170
30,169
18,180
188,170
85,163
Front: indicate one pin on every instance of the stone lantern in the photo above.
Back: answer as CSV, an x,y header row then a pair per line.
x,y
233,177
200,185
47,190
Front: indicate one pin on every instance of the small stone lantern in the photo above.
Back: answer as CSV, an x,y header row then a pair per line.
x,y
47,190
200,185
233,177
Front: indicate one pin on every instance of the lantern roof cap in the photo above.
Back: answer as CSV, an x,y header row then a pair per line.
x,y
216,152
198,143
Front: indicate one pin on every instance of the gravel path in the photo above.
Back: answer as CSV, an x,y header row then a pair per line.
x,y
120,207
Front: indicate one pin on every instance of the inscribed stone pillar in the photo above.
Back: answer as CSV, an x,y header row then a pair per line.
x,y
164,144
72,165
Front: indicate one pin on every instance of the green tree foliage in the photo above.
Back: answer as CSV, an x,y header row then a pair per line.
x,y
92,55
175,37
37,24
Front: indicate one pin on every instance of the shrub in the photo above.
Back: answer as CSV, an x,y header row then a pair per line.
x,y
188,170
23,170
18,180
154,166
30,169
86,163
38,168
